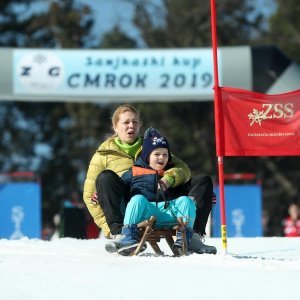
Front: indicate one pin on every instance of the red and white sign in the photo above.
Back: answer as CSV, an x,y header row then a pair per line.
x,y
255,124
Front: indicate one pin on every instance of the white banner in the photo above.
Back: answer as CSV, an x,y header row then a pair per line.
x,y
157,73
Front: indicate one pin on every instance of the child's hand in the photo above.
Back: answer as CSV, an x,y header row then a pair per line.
x,y
163,184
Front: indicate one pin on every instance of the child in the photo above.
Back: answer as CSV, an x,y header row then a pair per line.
x,y
144,181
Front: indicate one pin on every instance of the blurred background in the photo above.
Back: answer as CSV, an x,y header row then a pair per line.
x,y
51,143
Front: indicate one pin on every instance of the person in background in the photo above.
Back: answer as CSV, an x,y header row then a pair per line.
x,y
265,221
149,197
106,196
73,217
56,222
291,225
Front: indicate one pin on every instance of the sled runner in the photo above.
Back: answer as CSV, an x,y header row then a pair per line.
x,y
153,235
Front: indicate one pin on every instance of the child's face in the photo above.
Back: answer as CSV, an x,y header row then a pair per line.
x,y
158,159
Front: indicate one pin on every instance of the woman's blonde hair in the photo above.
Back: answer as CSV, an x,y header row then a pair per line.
x,y
121,109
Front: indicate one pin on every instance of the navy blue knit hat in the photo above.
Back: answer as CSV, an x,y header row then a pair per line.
x,y
152,141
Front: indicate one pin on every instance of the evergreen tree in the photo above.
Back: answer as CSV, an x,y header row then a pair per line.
x,y
116,39
285,27
176,23
36,135
14,19
67,24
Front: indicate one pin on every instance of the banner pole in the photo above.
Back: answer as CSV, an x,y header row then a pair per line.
x,y
218,122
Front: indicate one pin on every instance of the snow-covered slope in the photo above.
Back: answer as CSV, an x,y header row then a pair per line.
x,y
254,268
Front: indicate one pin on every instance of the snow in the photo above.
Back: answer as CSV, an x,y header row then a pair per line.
x,y
254,268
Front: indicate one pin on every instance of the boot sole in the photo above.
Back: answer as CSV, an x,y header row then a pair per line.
x,y
214,251
128,250
111,248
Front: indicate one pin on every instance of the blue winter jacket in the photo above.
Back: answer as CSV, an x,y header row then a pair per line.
x,y
142,180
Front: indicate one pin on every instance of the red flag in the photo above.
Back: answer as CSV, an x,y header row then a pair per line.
x,y
258,124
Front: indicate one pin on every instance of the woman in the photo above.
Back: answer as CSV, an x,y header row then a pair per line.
x,y
115,156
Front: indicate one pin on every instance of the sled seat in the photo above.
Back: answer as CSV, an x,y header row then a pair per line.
x,y
153,235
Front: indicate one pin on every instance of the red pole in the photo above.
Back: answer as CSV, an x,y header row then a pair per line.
x,y
218,123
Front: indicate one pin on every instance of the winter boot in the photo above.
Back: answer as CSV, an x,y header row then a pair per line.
x,y
197,245
130,240
114,244
178,245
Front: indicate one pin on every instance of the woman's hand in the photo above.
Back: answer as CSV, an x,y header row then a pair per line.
x,y
94,198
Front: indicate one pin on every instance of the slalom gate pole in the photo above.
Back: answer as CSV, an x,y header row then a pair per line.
x,y
218,124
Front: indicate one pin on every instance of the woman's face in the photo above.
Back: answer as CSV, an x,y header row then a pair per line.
x,y
127,127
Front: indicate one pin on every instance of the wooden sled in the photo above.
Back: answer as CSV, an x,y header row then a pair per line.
x,y
153,235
